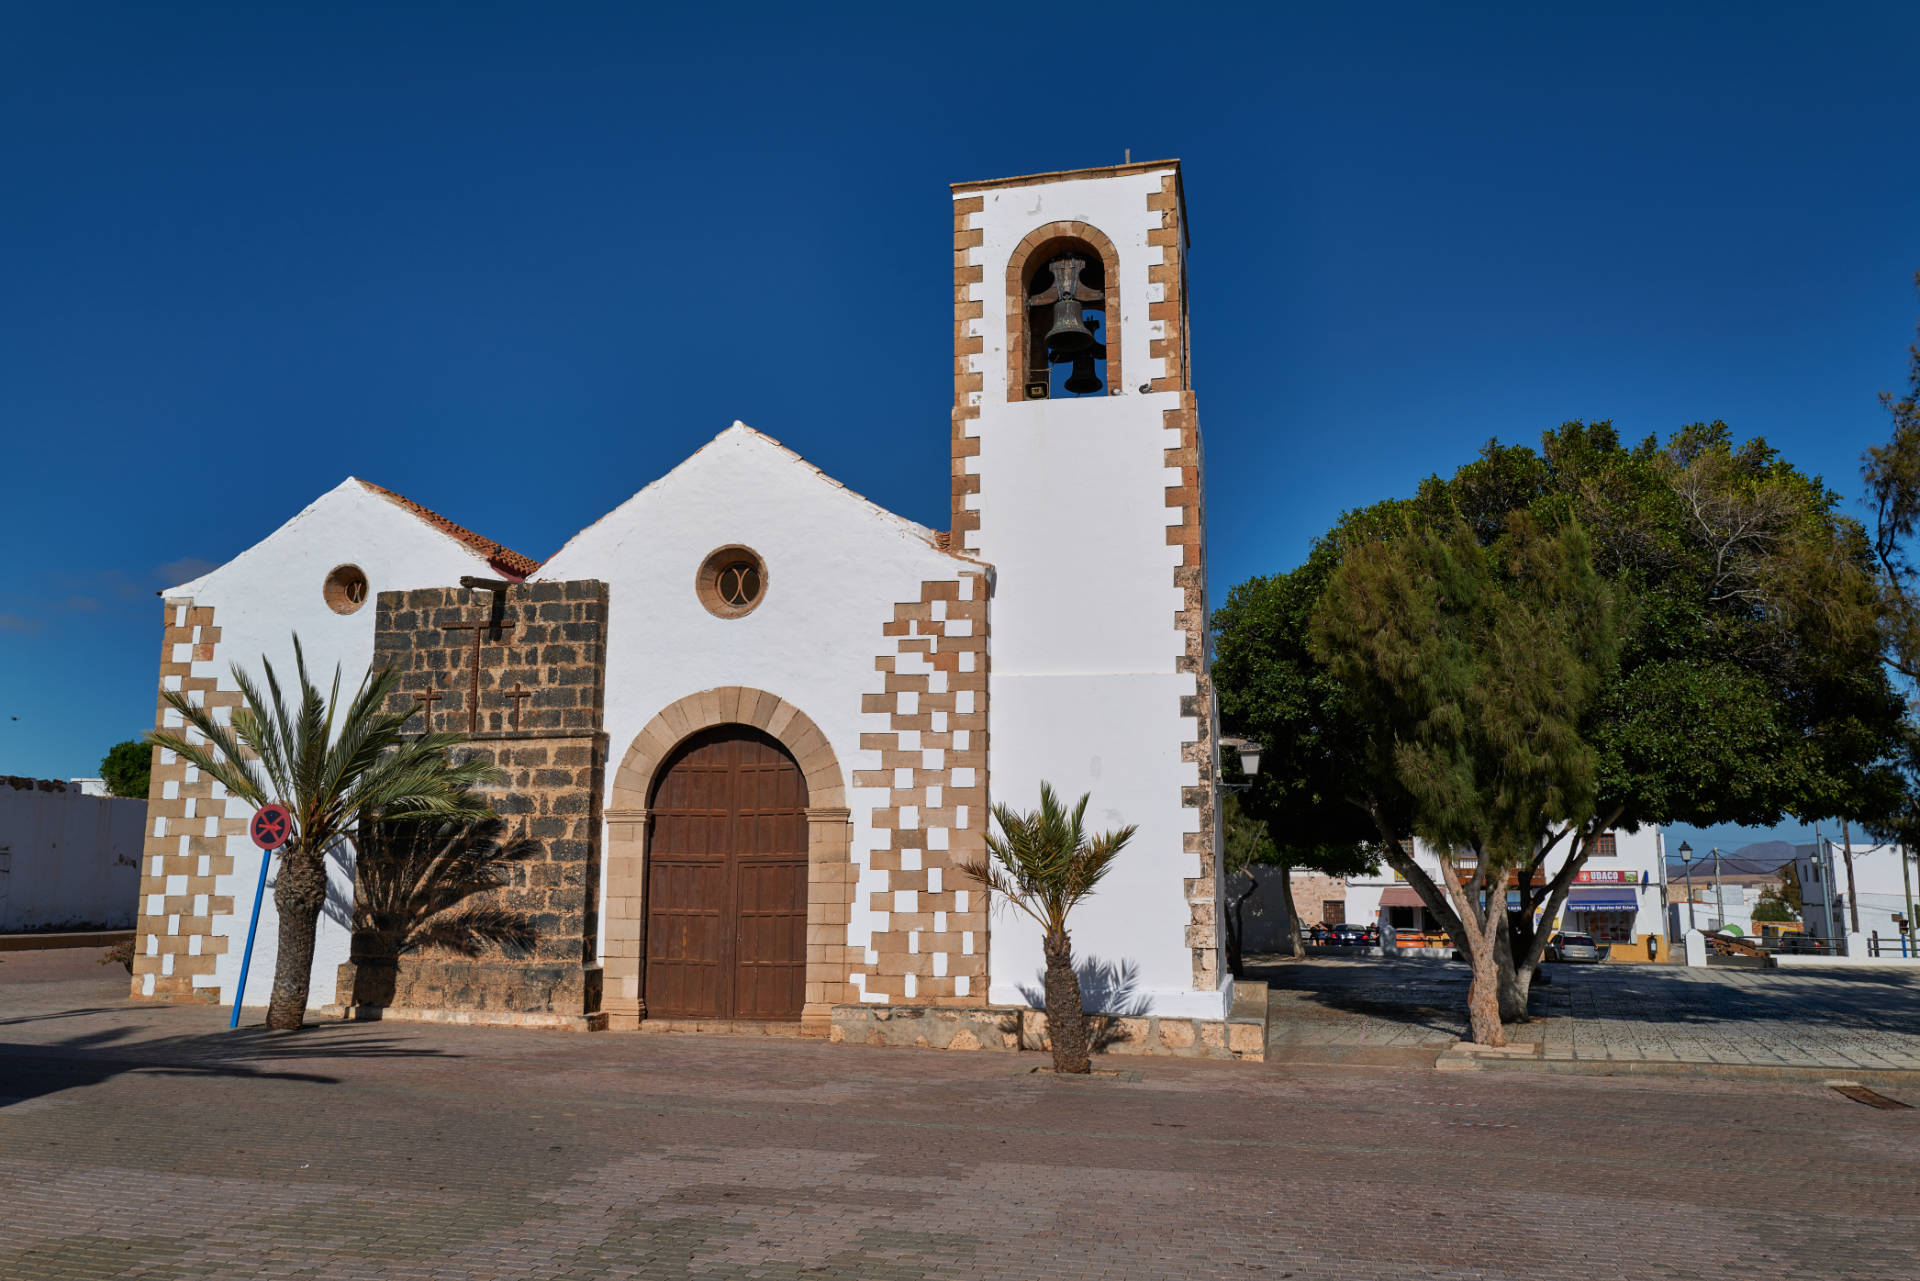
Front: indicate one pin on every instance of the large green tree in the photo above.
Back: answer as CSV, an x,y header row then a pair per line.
x,y
1467,665
339,768
1746,685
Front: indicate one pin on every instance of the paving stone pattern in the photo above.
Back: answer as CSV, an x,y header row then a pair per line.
x,y
1865,1020
143,1140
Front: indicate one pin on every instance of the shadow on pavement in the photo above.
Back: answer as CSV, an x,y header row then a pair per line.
x,y
31,1070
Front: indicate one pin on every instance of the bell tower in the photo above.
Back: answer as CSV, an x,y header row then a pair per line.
x,y
1077,473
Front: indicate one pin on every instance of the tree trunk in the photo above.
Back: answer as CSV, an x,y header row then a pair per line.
x,y
1295,945
1066,1022
298,895
1483,997
1516,982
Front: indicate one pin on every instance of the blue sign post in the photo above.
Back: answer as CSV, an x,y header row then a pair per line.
x,y
270,828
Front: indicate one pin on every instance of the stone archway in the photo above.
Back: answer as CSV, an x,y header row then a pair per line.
x,y
830,871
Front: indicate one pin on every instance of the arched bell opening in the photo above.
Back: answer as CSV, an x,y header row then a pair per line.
x,y
1066,293
1064,314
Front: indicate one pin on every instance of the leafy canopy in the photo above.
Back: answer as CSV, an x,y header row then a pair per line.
x,y
127,769
1467,666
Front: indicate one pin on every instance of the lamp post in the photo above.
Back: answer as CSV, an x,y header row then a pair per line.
x,y
1686,867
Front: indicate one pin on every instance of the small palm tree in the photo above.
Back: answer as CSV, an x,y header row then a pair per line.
x,y
1044,864
334,769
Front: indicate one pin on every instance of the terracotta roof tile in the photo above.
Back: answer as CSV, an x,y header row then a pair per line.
x,y
505,559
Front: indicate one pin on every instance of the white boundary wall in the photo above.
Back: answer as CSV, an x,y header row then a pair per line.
x,y
67,860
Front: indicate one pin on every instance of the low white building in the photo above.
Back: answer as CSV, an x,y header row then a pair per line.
x,y
68,859
1617,897
1870,899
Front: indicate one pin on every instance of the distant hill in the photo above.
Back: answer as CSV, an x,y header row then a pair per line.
x,y
1762,858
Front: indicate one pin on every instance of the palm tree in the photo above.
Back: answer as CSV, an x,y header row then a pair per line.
x,y
1044,864
332,779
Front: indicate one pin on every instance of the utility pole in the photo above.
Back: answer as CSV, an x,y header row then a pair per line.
x,y
1719,893
1853,897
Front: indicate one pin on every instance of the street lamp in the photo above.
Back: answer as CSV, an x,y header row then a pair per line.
x,y
1249,753
1686,867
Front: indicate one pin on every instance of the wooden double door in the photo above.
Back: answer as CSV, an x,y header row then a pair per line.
x,y
727,880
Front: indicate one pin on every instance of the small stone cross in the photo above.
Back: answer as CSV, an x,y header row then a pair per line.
x,y
426,701
518,695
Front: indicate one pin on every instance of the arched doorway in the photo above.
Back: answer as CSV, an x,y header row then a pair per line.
x,y
726,895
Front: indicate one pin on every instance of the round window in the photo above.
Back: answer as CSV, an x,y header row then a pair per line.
x,y
732,581
345,589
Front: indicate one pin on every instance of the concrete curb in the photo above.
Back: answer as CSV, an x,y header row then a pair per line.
x,y
1458,1060
80,938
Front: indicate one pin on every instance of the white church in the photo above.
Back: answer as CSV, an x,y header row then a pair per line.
x,y
754,721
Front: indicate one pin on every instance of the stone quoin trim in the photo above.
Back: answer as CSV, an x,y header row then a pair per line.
x,y
930,943
185,848
1186,529
969,304
1037,245
1168,315
830,871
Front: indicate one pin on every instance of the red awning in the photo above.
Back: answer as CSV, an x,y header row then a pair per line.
x,y
1400,896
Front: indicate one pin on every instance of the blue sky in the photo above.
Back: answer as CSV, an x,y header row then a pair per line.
x,y
515,261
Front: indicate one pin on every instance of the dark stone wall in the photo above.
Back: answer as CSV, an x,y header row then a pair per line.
x,y
540,681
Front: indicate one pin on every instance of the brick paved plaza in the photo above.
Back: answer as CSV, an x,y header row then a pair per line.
x,y
144,1140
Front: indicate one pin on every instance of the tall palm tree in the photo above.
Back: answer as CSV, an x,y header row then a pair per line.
x,y
1044,863
333,768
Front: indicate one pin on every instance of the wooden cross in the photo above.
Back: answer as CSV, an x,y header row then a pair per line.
x,y
426,701
473,693
518,696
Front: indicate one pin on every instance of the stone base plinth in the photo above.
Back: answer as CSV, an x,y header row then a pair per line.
x,y
476,1018
1241,1035
464,990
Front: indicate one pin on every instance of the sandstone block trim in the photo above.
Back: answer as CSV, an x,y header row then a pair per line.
x,y
1169,312
185,852
969,277
930,942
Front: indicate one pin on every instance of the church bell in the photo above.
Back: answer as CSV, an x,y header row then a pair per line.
x,y
1069,336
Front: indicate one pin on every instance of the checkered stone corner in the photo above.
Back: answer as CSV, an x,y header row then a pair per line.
x,y
185,850
969,343
929,943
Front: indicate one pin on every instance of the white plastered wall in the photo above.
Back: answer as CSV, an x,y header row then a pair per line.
x,y
836,566
67,860
1085,693
261,599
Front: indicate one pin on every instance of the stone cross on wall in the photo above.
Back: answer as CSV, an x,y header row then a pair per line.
x,y
500,627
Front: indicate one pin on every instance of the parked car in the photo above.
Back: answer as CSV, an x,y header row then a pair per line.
x,y
1351,935
1573,947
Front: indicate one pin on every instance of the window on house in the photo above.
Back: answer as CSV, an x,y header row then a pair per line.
x,y
1603,846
